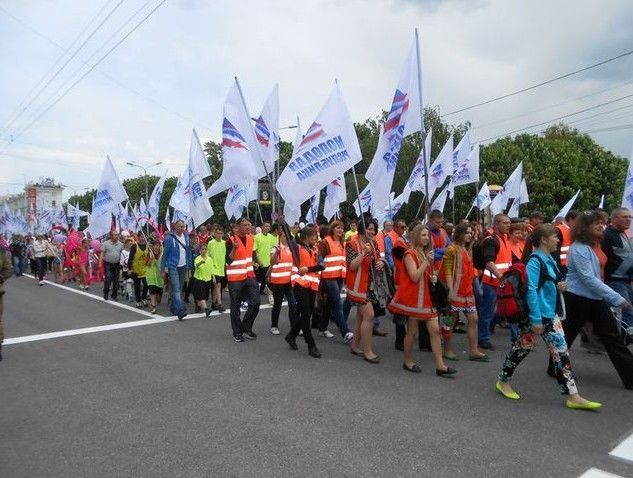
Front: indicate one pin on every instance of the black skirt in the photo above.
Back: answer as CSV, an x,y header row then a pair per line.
x,y
200,289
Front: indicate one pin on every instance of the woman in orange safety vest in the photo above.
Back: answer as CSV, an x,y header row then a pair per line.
x,y
458,272
306,285
363,260
413,299
280,280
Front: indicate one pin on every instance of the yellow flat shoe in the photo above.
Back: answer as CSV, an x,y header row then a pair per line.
x,y
583,406
511,395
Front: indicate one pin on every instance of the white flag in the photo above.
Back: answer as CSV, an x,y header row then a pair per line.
x,y
482,201
396,205
167,219
601,205
383,214
440,200
110,191
513,212
416,179
335,194
442,167
511,189
366,202
236,200
142,212
241,158
179,199
267,129
462,151
524,197
567,207
627,195
199,206
313,210
404,118
467,171
154,200
329,148
292,213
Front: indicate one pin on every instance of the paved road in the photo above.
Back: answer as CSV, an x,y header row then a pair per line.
x,y
182,399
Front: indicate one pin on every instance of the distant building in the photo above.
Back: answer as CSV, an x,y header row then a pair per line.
x,y
44,193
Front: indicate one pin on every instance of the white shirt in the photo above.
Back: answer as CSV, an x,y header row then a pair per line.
x,y
182,258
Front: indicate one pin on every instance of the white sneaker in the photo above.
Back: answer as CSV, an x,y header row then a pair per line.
x,y
326,333
274,331
348,337
41,282
301,333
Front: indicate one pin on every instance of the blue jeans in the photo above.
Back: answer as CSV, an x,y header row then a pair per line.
x,y
18,265
624,289
176,283
487,306
335,305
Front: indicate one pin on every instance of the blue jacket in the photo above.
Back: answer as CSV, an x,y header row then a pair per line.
x,y
583,275
171,252
542,303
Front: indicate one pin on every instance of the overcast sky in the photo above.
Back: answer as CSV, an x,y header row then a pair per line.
x,y
173,72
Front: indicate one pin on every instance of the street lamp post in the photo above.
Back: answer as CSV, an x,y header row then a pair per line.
x,y
144,168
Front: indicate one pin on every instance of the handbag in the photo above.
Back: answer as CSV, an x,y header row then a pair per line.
x,y
439,296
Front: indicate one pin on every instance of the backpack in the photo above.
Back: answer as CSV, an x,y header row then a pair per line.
x,y
478,253
512,291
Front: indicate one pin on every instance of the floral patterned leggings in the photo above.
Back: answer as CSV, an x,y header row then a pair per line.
x,y
554,336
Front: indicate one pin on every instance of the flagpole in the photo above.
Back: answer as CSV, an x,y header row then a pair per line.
x,y
477,200
261,218
469,211
259,152
422,131
360,204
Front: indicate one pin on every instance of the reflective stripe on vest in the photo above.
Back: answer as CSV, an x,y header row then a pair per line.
x,y
503,261
309,280
334,261
241,267
410,298
281,273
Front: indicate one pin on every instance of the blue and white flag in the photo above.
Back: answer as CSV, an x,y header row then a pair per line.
x,y
442,167
335,194
440,201
567,207
267,129
627,195
467,171
403,119
328,149
110,191
511,189
313,210
483,200
236,200
366,202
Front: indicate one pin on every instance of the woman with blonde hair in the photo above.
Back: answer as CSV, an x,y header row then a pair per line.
x,y
413,300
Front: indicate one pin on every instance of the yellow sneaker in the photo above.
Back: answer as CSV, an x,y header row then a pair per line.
x,y
511,395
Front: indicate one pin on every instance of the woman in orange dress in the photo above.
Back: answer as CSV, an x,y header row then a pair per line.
x,y
458,273
413,300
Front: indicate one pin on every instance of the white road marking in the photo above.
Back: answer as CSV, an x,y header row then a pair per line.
x,y
596,473
624,450
104,328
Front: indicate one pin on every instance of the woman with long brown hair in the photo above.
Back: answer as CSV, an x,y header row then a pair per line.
x,y
458,272
363,263
413,299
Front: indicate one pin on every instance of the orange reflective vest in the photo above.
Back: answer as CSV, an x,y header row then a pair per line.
x,y
398,264
413,299
517,250
462,275
309,280
334,261
281,272
357,282
380,242
503,261
440,241
565,231
241,268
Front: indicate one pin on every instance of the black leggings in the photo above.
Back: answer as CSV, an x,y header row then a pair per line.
x,y
140,288
279,292
305,301
580,310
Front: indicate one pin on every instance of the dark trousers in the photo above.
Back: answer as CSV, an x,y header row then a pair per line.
x,y
260,274
305,300
279,292
111,279
580,310
140,288
335,307
248,290
424,341
40,264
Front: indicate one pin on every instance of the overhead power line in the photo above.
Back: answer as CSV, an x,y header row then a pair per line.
x,y
114,47
553,120
538,85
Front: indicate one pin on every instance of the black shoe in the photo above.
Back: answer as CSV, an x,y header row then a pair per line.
x,y
314,352
250,335
0,352
221,308
448,371
400,347
182,315
291,342
415,368
487,346
105,296
238,338
551,372
114,298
